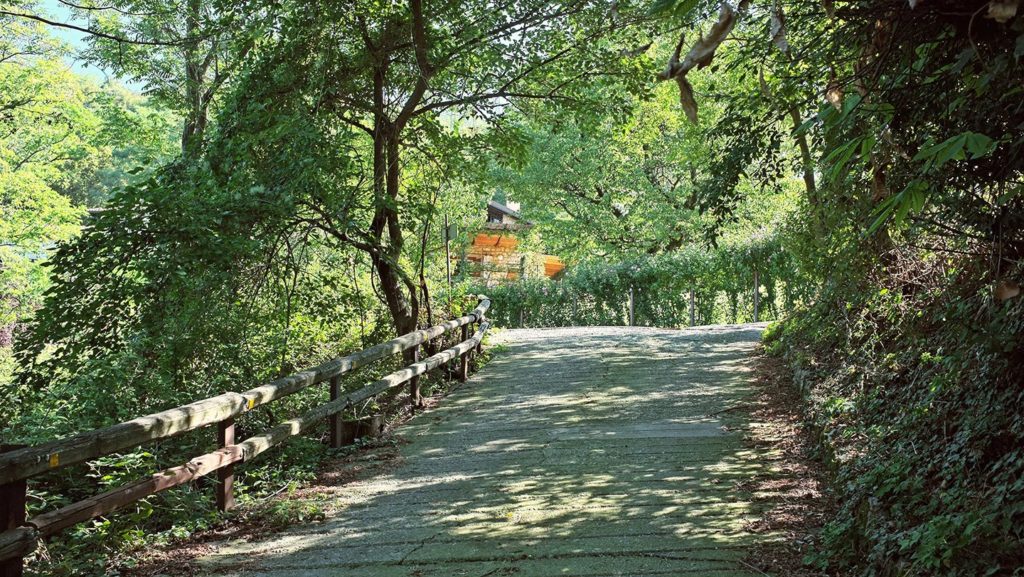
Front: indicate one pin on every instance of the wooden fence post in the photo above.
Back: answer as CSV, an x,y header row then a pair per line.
x,y
334,421
692,307
464,359
12,515
757,295
415,401
17,464
631,318
226,475
479,345
448,259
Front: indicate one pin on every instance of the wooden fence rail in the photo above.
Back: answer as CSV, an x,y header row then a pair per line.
x,y
19,535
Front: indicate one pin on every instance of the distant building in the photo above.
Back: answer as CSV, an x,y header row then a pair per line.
x,y
494,256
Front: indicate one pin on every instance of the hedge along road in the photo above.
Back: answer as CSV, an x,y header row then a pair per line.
x,y
576,451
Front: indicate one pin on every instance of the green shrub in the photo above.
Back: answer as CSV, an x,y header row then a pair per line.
x,y
597,293
919,395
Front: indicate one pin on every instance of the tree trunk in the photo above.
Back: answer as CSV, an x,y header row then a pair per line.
x,y
399,304
807,161
757,296
399,292
195,114
692,307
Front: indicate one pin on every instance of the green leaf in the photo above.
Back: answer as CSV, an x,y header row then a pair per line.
x,y
935,155
839,157
806,126
850,103
1009,195
867,145
954,149
677,8
882,213
979,145
911,199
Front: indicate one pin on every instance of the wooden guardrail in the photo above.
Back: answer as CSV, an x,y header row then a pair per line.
x,y
20,535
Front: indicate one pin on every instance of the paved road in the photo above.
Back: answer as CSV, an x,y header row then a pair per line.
x,y
584,451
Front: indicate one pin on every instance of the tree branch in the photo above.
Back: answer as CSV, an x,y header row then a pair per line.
x,y
420,47
96,33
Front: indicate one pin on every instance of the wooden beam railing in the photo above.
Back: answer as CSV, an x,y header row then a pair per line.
x,y
19,536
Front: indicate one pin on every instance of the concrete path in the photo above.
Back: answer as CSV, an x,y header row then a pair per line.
x,y
585,451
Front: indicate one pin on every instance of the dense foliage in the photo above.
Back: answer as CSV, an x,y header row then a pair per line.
x,y
910,354
903,121
917,397
320,147
65,144
720,284
275,197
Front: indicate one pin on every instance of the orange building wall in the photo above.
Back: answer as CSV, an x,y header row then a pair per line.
x,y
496,259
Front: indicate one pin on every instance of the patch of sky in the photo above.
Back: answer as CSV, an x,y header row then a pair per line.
x,y
60,12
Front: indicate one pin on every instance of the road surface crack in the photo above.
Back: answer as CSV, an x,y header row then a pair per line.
x,y
422,544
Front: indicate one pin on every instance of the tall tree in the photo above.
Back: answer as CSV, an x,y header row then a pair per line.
x,y
402,74
621,182
183,52
338,131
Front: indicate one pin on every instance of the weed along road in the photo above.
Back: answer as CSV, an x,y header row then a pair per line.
x,y
577,451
